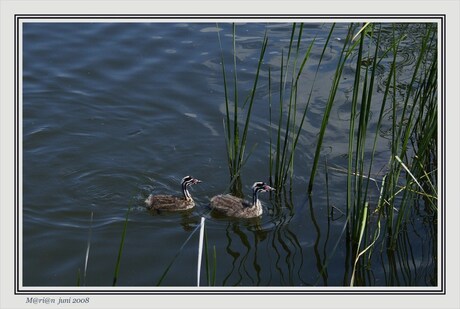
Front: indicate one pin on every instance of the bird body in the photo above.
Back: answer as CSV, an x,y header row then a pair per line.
x,y
173,203
233,206
169,203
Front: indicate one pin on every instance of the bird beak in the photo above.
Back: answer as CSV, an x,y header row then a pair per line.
x,y
196,181
268,188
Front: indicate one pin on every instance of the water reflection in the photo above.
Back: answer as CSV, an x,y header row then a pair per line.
x,y
240,269
265,253
187,220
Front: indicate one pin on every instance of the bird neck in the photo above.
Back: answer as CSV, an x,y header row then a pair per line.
x,y
187,195
255,197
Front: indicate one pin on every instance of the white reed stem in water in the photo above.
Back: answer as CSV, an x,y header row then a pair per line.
x,y
200,252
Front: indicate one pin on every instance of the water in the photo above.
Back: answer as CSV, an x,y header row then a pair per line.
x,y
115,111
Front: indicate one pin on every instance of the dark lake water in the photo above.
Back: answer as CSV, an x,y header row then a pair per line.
x,y
115,111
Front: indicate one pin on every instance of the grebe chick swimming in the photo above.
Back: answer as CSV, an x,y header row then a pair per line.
x,y
233,206
173,203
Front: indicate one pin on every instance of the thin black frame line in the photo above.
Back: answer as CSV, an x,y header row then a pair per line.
x,y
443,151
228,16
224,292
442,291
16,151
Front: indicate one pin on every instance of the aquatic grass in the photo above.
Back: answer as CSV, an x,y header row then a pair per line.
x,y
235,138
411,175
281,145
345,53
362,228
356,196
408,125
282,161
420,99
78,277
88,246
405,127
214,269
120,249
359,194
210,273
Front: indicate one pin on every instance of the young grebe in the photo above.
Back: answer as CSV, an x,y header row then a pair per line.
x,y
233,206
173,203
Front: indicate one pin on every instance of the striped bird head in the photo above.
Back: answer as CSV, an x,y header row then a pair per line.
x,y
260,186
189,180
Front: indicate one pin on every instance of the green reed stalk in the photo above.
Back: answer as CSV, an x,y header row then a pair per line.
x,y
78,277
377,130
351,134
214,269
291,95
357,198
361,189
402,133
418,119
120,249
425,132
206,256
236,140
236,131
405,131
270,150
391,184
281,146
210,273
251,100
280,123
362,228
330,102
360,206
227,124
415,123
288,132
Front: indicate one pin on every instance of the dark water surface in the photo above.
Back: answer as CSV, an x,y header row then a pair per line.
x,y
115,111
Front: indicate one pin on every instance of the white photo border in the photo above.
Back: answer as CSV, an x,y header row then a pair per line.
x,y
420,297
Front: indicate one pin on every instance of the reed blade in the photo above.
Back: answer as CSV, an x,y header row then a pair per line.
x,y
200,251
330,102
120,249
88,247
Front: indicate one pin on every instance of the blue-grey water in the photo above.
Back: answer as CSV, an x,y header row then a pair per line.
x,y
115,111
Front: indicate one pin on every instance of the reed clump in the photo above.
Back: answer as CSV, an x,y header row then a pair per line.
x,y
235,138
411,172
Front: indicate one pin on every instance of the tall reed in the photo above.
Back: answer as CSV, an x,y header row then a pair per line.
x,y
282,154
120,249
403,159
235,138
344,55
416,124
